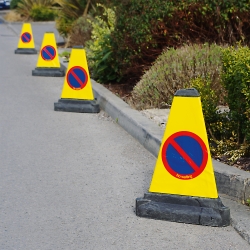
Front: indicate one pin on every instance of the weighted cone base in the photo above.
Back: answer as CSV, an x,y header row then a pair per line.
x,y
25,51
54,72
79,106
184,209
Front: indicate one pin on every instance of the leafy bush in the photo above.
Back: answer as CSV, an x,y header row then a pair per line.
x,y
175,69
14,3
80,31
219,124
236,80
98,49
133,37
41,13
143,31
25,7
70,11
210,100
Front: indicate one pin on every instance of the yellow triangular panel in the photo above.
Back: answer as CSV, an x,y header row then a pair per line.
x,y
184,165
48,55
77,84
26,40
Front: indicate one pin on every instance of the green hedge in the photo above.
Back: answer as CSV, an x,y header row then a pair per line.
x,y
13,3
236,79
143,30
175,69
41,13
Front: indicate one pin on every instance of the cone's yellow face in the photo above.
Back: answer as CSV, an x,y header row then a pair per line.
x,y
26,40
184,165
48,56
77,84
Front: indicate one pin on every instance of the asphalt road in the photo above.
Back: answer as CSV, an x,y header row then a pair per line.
x,y
69,181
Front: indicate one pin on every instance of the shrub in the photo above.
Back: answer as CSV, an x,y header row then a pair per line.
x,y
143,31
63,25
14,3
175,69
99,51
70,11
41,13
80,31
219,124
25,7
236,80
133,37
210,100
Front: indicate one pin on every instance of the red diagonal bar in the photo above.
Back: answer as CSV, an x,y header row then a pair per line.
x,y
26,37
77,78
51,56
184,155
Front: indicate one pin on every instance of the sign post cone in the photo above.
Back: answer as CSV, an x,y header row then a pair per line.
x,y
77,94
26,44
48,63
183,187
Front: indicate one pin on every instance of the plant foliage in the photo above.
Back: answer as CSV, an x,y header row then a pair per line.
x,y
41,13
236,80
80,32
175,69
219,124
25,7
70,11
143,31
13,3
100,54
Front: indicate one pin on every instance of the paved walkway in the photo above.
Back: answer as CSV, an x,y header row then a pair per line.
x,y
69,181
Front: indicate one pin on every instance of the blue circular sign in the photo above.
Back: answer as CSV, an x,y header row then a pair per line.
x,y
184,155
26,37
48,53
77,78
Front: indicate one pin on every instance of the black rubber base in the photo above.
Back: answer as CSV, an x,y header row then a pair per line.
x,y
79,106
184,209
25,51
56,72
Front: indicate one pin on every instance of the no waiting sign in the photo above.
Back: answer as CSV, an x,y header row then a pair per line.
x,y
48,53
26,37
184,155
77,78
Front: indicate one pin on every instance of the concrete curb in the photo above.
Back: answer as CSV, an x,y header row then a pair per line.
x,y
230,180
147,133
